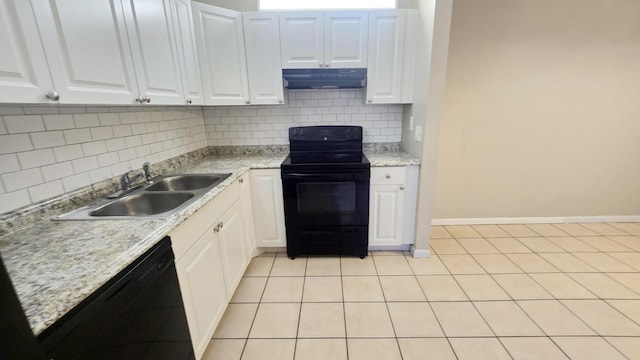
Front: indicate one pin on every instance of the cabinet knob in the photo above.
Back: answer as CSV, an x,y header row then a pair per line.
x,y
369,100
147,99
189,101
279,101
401,187
388,176
241,181
221,224
139,99
53,95
247,102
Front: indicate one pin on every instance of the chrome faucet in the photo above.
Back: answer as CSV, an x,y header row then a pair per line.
x,y
126,181
146,168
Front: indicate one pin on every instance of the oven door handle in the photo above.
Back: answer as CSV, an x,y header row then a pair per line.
x,y
334,176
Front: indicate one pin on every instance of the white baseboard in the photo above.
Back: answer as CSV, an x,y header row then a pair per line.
x,y
538,220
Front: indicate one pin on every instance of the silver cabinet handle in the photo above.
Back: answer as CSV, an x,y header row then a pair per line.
x,y
139,99
401,187
241,181
221,224
388,176
147,99
279,101
327,65
369,100
247,102
189,101
53,95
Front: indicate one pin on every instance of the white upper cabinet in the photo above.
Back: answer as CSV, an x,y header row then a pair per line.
x,y
262,43
87,50
24,75
220,40
390,73
187,51
155,58
323,39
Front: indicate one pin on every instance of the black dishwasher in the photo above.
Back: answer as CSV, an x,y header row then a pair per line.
x,y
138,314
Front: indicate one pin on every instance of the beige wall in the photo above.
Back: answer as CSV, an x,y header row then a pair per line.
x,y
542,110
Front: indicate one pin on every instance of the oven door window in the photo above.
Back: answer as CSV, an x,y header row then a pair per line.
x,y
326,198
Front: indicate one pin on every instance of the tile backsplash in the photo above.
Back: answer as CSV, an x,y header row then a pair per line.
x,y
268,125
46,151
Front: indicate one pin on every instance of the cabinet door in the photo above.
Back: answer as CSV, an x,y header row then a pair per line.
x,y
87,50
154,50
268,208
220,41
386,215
262,41
231,239
24,75
247,215
301,37
386,46
203,290
345,39
187,52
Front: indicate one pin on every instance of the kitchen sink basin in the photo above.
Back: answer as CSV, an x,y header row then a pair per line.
x,y
187,182
143,204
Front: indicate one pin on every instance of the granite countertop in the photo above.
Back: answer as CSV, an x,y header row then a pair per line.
x,y
54,265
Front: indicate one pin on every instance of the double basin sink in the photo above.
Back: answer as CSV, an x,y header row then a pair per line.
x,y
166,196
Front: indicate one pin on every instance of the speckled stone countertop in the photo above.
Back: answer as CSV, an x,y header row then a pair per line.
x,y
54,265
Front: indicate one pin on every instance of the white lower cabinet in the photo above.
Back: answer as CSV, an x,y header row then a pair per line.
x,y
230,231
392,206
268,208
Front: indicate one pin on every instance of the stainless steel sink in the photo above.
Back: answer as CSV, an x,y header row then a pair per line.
x,y
187,182
143,204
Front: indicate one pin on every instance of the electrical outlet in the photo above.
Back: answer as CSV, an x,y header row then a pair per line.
x,y
418,134
411,123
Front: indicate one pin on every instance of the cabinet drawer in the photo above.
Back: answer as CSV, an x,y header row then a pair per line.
x,y
388,175
185,235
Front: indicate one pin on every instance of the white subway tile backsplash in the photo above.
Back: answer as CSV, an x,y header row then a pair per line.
x,y
14,200
100,174
84,164
58,122
94,148
40,110
69,152
107,159
108,119
9,163
46,191
36,158
57,171
75,182
23,124
133,141
22,179
47,139
86,120
101,133
76,136
122,130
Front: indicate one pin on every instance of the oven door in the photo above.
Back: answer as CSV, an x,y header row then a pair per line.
x,y
326,198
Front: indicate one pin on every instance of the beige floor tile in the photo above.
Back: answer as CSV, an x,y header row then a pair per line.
x,y
278,320
497,264
414,319
269,349
532,263
319,320
632,242
629,228
587,348
521,287
571,244
603,244
441,288
478,246
462,231
575,229
373,349
415,349
632,259
387,252
479,349
401,288
562,286
490,231
628,346
249,290
283,289
236,321
321,349
446,246
392,265
427,266
507,319
518,230
366,320
508,245
630,308
481,287
283,266
603,286
630,280
259,266
461,264
356,266
604,229
603,318
554,318
228,349
269,254
361,288
539,244
322,289
323,266
568,262
603,262
439,232
460,319
546,230
532,348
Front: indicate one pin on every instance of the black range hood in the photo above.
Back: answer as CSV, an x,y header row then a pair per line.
x,y
324,78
